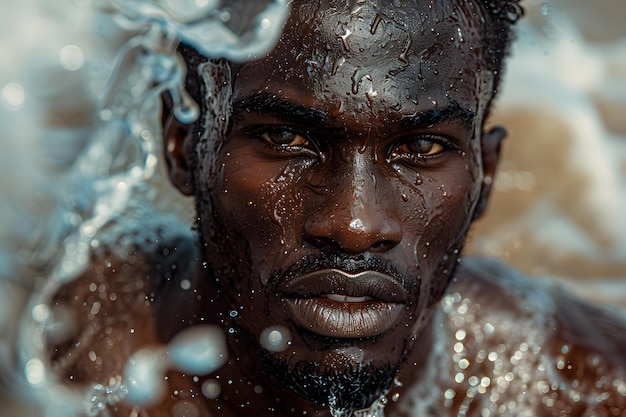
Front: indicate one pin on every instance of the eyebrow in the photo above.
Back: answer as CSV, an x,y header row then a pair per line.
x,y
453,111
267,103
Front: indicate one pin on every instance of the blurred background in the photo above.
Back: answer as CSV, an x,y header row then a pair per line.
x,y
558,211
559,207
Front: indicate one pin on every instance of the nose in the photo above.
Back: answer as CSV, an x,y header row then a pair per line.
x,y
355,216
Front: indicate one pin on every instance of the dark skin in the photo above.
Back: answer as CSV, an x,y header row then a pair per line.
x,y
352,166
364,157
347,151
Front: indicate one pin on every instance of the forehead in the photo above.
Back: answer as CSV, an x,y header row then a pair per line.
x,y
377,56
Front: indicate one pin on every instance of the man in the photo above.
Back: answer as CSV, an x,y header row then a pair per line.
x,y
335,180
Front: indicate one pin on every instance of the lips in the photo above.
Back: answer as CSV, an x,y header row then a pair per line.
x,y
338,304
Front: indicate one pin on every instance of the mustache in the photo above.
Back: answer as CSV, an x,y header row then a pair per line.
x,y
345,262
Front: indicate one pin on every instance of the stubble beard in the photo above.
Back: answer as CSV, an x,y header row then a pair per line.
x,y
343,391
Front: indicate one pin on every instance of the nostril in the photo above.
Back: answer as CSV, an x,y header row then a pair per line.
x,y
382,245
321,242
379,244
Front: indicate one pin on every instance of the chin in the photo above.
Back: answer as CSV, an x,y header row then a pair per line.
x,y
343,380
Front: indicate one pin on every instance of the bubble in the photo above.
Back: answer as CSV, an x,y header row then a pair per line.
x,y
13,96
122,186
275,338
72,57
41,313
211,389
35,372
199,350
89,230
144,379
449,394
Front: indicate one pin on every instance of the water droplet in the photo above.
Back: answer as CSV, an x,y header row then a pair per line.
x,y
71,57
344,39
358,75
13,96
35,372
338,64
275,338
371,94
198,350
211,389
460,35
41,313
143,376
374,27
403,57
513,11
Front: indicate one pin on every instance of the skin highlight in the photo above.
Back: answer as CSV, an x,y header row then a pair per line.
x,y
335,179
347,155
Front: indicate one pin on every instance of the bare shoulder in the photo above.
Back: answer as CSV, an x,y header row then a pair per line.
x,y
513,345
136,293
508,345
589,328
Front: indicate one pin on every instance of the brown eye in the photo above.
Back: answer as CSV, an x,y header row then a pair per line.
x,y
284,138
419,148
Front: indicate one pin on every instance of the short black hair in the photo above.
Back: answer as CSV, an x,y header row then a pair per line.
x,y
503,14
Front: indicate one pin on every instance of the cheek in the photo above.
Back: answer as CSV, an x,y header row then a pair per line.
x,y
242,202
261,203
437,212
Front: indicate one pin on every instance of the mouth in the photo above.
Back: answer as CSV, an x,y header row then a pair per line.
x,y
334,303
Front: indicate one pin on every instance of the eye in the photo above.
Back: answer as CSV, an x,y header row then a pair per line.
x,y
285,139
419,148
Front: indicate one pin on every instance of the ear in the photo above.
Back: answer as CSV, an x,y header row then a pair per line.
x,y
178,147
490,151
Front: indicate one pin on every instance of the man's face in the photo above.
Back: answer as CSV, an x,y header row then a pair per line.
x,y
346,182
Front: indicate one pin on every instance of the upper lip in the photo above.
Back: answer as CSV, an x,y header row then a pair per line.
x,y
374,284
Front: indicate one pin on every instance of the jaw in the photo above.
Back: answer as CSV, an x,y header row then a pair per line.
x,y
338,384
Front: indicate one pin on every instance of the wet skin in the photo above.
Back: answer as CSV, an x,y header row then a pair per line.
x,y
353,164
320,191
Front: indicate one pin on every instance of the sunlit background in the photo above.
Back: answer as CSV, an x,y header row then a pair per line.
x,y
560,196
560,204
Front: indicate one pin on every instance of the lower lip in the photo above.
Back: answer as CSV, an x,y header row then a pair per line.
x,y
344,319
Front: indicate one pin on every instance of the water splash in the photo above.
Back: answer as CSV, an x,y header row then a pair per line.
x,y
104,164
198,350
